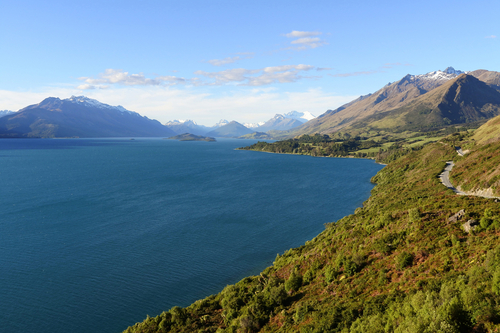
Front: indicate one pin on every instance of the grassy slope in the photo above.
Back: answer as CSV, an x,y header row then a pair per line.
x,y
479,170
395,265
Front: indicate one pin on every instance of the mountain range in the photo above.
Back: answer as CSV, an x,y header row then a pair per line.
x,y
416,102
78,117
279,122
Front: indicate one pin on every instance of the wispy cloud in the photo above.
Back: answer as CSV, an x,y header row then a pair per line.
x,y
230,60
225,61
120,77
371,72
301,34
354,73
256,77
394,64
491,36
305,39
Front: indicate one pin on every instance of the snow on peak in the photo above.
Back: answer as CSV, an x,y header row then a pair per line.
x,y
221,122
302,116
180,121
95,103
448,74
253,125
175,122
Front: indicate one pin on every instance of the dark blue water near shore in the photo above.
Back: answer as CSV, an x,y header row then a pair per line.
x,y
97,233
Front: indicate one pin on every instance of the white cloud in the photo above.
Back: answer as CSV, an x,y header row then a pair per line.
x,y
306,39
491,36
228,75
118,76
301,34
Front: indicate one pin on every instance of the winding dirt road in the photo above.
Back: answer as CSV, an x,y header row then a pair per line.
x,y
445,178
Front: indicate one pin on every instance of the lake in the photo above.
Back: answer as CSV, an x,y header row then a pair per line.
x,y
95,234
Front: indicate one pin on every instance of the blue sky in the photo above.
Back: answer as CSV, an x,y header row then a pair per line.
x,y
237,60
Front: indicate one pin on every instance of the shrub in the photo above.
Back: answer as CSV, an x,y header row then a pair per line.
x,y
330,274
495,283
413,215
350,267
403,260
294,282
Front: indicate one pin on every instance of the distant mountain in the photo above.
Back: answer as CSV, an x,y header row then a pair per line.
x,y
4,113
79,116
221,123
279,122
301,116
254,125
230,130
187,126
391,97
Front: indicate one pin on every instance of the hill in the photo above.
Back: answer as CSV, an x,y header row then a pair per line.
x,y
401,263
78,117
489,132
232,129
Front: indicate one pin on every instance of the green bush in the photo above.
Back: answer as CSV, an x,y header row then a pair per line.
x,y
331,274
403,260
294,282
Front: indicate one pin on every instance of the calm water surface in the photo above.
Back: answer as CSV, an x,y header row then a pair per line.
x,y
97,233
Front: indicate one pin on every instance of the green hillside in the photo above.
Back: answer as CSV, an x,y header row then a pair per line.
x,y
399,264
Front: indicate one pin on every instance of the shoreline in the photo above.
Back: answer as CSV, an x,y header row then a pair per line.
x,y
361,158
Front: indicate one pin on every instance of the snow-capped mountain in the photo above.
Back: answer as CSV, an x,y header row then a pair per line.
x,y
187,126
179,122
279,122
89,102
221,122
254,125
301,116
448,74
79,116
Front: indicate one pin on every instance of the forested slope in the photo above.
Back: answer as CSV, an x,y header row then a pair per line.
x,y
399,264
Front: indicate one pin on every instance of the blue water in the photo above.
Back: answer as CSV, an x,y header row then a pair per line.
x,y
97,233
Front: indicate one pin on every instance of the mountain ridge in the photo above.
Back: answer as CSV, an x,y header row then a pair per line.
x,y
78,117
390,97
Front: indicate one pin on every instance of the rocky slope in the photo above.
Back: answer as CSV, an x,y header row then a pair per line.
x,y
393,96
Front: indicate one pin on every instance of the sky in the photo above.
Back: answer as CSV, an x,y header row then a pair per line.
x,y
236,60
